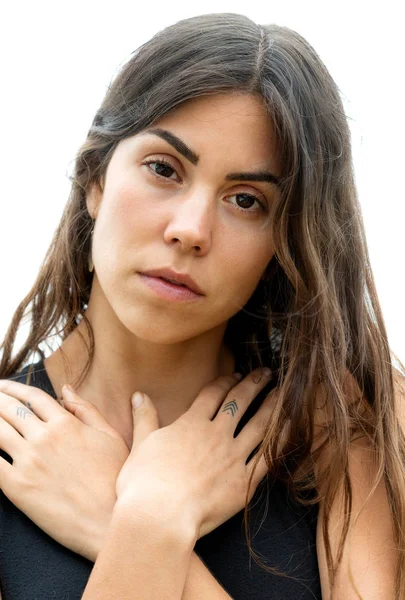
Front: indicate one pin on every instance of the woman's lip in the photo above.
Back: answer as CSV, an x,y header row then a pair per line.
x,y
173,276
169,291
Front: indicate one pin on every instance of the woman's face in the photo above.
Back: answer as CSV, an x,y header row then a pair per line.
x,y
196,214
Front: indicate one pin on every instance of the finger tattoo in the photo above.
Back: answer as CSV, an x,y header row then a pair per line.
x,y
23,412
231,407
27,404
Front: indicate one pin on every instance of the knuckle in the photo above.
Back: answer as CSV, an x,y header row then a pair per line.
x,y
61,420
57,429
41,437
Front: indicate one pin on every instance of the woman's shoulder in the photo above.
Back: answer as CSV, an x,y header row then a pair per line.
x,y
34,374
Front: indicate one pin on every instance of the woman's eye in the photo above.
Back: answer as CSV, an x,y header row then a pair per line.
x,y
247,202
163,168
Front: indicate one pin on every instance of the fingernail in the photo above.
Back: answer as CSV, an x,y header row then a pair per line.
x,y
238,376
137,399
266,371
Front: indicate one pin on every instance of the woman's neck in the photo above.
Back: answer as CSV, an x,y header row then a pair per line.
x,y
171,374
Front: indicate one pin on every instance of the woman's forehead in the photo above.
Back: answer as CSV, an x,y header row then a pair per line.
x,y
227,126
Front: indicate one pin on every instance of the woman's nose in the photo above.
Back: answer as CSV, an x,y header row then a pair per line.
x,y
191,224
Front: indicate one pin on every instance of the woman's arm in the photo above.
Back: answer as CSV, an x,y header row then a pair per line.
x,y
369,560
144,557
191,476
201,584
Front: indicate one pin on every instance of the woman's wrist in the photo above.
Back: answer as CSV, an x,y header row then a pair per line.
x,y
95,541
137,540
134,511
92,537
160,517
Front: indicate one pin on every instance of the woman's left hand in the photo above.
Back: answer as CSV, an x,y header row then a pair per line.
x,y
65,466
195,470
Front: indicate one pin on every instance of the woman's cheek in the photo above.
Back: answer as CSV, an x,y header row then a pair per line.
x,y
139,213
127,208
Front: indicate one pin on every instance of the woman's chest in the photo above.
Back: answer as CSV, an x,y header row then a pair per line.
x,y
35,567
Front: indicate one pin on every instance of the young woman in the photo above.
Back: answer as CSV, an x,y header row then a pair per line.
x,y
213,227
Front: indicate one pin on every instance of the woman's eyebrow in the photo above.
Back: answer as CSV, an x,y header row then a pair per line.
x,y
177,144
193,157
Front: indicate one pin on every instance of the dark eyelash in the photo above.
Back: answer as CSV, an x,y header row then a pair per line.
x,y
159,162
261,204
167,164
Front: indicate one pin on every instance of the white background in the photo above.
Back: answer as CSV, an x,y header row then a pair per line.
x,y
58,58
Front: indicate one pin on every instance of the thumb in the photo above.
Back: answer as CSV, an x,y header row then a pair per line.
x,y
85,411
145,418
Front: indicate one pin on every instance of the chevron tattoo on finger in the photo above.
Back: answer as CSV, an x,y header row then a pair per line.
x,y
23,412
230,407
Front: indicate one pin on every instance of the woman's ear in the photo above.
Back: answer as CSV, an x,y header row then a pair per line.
x,y
93,199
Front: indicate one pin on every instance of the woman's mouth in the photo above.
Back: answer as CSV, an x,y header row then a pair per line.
x,y
169,290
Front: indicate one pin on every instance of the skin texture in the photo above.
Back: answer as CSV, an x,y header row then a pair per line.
x,y
192,223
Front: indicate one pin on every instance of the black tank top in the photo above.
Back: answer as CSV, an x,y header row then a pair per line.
x,y
35,567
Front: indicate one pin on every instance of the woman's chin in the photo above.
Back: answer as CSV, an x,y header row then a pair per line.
x,y
163,332
169,330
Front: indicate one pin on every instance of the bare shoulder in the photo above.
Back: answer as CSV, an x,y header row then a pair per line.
x,y
369,556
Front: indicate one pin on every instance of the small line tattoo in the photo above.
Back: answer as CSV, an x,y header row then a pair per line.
x,y
27,404
230,407
23,412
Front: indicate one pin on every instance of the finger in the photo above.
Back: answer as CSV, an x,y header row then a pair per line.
x,y
254,431
41,403
239,398
86,412
145,418
19,416
259,469
212,395
10,440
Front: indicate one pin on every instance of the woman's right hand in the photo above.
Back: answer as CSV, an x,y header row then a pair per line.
x,y
65,464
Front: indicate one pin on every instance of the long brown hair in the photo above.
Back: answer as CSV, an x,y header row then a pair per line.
x,y
319,296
